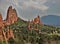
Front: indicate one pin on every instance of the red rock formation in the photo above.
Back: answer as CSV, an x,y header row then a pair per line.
x,y
1,26
35,21
11,16
1,21
9,34
30,25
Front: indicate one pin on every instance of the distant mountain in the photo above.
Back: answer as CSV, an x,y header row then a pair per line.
x,y
51,20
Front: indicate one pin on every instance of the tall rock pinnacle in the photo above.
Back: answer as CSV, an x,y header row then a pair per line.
x,y
11,16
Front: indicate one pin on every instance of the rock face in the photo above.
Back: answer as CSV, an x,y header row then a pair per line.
x,y
1,21
35,21
1,26
11,16
9,34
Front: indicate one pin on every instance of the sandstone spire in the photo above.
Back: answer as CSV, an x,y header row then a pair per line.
x,y
11,16
35,21
1,26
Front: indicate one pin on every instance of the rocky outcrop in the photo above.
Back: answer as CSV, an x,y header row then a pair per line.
x,y
1,21
1,26
35,21
9,34
11,16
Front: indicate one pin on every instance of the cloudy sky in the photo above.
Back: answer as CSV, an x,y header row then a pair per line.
x,y
28,9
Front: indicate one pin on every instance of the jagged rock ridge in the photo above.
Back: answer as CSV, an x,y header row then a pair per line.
x,y
11,18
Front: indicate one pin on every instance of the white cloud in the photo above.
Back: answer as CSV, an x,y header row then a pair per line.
x,y
39,4
32,7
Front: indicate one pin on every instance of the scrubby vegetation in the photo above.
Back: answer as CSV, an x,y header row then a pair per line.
x,y
25,36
